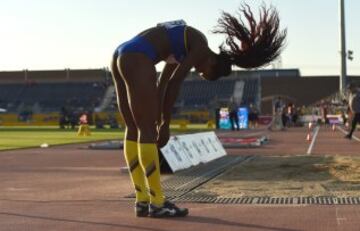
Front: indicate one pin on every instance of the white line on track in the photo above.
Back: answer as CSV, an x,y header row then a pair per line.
x,y
317,128
345,132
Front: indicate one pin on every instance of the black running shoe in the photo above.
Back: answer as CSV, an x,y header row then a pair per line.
x,y
348,137
142,209
167,210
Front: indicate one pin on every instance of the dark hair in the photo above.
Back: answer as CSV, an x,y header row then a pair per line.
x,y
253,46
223,65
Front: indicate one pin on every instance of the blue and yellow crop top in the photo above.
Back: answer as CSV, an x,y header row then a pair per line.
x,y
176,31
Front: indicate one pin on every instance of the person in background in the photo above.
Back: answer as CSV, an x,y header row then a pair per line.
x,y
290,113
253,116
295,116
217,117
279,115
233,115
99,122
354,105
63,118
284,118
324,111
84,129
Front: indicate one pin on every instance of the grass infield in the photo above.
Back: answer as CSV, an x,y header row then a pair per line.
x,y
32,136
26,137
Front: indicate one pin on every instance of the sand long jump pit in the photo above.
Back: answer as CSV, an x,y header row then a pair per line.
x,y
291,178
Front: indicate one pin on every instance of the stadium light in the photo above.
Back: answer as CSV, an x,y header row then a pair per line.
x,y
342,80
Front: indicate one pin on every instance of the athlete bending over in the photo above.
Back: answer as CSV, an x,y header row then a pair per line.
x,y
145,103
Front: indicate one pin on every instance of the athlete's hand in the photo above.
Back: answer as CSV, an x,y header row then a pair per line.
x,y
163,135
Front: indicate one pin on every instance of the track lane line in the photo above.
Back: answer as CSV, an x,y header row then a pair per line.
x,y
345,132
317,128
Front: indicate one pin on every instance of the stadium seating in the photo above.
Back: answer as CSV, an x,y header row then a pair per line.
x,y
200,93
50,97
49,91
250,95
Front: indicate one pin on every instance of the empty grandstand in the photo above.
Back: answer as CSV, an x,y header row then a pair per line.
x,y
32,92
48,91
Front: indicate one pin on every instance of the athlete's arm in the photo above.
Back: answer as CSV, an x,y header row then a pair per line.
x,y
172,91
162,84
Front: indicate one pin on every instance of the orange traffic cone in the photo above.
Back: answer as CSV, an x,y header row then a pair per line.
x,y
310,125
308,137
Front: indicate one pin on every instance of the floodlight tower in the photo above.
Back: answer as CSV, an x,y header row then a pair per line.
x,y
342,80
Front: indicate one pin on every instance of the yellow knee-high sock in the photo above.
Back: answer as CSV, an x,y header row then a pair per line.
x,y
136,171
149,160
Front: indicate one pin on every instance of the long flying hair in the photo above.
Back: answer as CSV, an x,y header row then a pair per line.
x,y
256,44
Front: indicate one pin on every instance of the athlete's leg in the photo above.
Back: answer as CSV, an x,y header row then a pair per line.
x,y
139,74
130,137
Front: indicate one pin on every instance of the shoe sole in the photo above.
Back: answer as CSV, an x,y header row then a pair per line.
x,y
169,216
141,215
